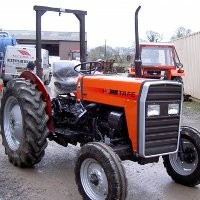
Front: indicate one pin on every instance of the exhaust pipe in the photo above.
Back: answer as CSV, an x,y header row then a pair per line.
x,y
137,61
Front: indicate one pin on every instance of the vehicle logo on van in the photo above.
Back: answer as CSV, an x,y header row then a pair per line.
x,y
24,53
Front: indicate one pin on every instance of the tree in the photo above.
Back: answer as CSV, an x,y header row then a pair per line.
x,y
181,32
99,53
154,36
119,54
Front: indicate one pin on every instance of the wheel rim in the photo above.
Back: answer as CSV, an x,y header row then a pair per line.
x,y
93,179
187,165
13,126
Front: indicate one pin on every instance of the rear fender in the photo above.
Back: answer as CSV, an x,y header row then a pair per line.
x,y
28,75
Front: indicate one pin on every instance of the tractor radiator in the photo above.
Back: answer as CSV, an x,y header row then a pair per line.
x,y
159,131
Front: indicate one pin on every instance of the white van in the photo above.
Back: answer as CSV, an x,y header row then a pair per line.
x,y
17,58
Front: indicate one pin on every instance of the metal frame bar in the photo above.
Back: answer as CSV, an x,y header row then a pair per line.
x,y
40,10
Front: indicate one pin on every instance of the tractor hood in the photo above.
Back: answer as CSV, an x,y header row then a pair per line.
x,y
111,90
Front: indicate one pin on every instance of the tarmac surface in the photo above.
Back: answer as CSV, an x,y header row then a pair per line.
x,y
53,177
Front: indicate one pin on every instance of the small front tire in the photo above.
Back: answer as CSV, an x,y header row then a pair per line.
x,y
99,173
184,166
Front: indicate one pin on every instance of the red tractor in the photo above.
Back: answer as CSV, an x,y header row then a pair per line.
x,y
74,55
157,60
112,118
160,61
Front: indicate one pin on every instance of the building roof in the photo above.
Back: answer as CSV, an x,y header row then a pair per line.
x,y
46,35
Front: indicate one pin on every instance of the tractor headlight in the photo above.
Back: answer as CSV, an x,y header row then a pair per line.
x,y
173,109
153,110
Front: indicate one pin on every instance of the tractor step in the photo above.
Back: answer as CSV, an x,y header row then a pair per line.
x,y
64,136
124,151
67,132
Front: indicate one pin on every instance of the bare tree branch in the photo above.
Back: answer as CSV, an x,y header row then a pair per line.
x,y
154,36
181,32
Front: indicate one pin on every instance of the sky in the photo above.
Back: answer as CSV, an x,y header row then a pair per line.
x,y
106,20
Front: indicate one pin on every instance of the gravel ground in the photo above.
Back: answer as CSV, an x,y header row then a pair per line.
x,y
191,114
53,177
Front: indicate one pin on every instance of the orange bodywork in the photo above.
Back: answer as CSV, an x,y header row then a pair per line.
x,y
114,91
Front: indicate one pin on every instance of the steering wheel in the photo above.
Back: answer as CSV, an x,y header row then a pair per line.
x,y
88,67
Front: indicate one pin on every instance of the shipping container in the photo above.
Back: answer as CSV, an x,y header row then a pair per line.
x,y
189,53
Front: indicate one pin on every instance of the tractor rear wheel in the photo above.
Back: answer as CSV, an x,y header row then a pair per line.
x,y
23,123
184,166
99,173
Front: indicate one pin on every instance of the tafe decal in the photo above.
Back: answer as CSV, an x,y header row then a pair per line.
x,y
112,92
121,93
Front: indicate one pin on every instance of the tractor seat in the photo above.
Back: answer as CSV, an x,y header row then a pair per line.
x,y
64,76
66,86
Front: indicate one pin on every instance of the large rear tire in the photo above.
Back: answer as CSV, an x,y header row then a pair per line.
x,y
23,123
99,173
184,166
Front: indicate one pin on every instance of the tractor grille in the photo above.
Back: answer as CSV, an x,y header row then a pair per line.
x,y
160,133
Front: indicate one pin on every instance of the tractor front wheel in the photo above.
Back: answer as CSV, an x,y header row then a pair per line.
x,y
184,166
99,173
23,123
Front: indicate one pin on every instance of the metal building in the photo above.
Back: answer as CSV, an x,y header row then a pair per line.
x,y
189,53
57,43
